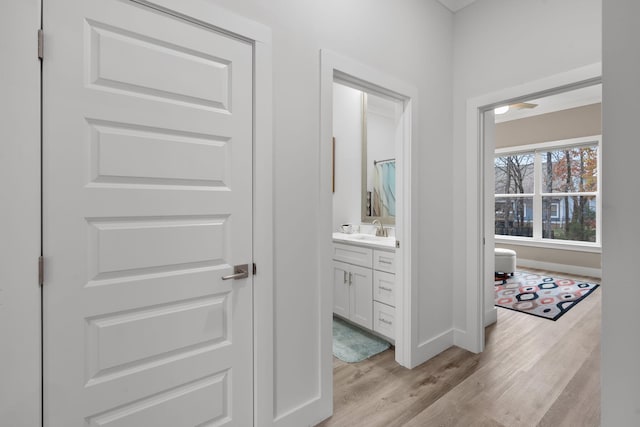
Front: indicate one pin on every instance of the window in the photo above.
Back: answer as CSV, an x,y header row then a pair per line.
x,y
514,194
549,192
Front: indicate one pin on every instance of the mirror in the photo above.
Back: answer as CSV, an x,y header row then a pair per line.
x,y
379,123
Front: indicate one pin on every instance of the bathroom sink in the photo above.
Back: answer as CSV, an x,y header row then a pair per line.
x,y
366,238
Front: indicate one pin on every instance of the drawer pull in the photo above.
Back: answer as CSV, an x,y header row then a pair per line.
x,y
381,261
388,322
385,289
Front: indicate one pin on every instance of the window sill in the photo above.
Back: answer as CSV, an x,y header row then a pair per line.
x,y
562,245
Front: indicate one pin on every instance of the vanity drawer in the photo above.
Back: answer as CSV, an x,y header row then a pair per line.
x,y
384,287
353,254
384,319
384,261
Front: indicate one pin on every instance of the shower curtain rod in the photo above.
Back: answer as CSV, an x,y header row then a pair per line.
x,y
375,162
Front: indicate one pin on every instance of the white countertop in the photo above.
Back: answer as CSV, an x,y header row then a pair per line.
x,y
366,240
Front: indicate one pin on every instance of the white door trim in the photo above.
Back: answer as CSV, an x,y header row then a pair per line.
x,y
334,65
476,265
20,294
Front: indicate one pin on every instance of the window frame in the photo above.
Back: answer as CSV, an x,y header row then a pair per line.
x,y
537,149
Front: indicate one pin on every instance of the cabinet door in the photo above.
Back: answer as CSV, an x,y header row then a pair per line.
x,y
341,288
361,296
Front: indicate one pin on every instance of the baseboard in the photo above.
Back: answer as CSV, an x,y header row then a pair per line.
x,y
561,268
460,338
490,317
432,347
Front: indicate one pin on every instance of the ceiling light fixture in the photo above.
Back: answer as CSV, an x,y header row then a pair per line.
x,y
501,110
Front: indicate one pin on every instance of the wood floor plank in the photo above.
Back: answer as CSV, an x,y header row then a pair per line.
x,y
531,395
533,372
394,395
576,405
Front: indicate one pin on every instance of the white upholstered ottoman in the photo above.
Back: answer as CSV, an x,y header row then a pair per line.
x,y
505,260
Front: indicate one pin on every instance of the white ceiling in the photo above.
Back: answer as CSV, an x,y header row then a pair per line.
x,y
456,5
562,101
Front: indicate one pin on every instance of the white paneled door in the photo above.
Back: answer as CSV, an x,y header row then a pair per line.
x,y
147,204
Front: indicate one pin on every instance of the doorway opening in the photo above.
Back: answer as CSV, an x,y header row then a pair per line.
x,y
368,87
367,142
481,187
546,195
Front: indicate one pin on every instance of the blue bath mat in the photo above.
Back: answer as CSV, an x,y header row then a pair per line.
x,y
352,344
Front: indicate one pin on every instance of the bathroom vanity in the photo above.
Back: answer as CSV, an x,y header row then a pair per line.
x,y
364,281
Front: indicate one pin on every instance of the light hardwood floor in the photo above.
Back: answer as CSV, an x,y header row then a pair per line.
x,y
533,372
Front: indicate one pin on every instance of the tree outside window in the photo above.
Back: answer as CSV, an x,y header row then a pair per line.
x,y
514,178
549,192
574,172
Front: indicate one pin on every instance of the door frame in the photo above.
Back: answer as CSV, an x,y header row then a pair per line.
x,y
26,194
20,219
334,66
477,218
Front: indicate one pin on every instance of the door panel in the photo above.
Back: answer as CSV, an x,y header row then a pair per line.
x,y
341,289
147,198
186,405
361,297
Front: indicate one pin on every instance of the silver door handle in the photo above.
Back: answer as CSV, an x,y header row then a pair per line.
x,y
240,271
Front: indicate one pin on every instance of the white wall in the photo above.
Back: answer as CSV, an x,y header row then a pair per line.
x,y
500,44
410,40
347,130
620,314
19,215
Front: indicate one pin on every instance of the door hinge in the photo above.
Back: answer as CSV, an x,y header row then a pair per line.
x,y
255,268
397,244
40,44
41,270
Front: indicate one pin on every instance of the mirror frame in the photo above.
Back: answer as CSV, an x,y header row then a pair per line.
x,y
385,220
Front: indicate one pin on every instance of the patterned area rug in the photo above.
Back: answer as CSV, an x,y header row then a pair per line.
x,y
541,296
352,344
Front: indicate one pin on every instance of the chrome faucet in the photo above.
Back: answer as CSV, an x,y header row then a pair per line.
x,y
380,230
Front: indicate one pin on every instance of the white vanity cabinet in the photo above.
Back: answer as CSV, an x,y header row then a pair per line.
x,y
364,287
352,296
352,279
384,293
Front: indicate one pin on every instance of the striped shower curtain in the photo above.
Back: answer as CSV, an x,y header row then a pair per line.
x,y
384,189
